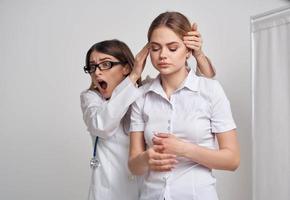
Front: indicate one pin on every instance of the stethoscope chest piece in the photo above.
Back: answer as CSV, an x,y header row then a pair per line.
x,y
95,163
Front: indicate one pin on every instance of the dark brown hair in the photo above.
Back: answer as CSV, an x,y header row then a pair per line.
x,y
115,48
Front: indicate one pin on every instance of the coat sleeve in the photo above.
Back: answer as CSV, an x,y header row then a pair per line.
x,y
102,117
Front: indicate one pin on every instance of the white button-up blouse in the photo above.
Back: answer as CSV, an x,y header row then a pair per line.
x,y
108,120
194,113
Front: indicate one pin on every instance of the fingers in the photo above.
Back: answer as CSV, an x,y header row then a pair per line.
x,y
193,33
158,148
142,55
164,168
194,27
192,38
162,165
162,162
158,138
162,156
193,45
163,135
139,63
157,141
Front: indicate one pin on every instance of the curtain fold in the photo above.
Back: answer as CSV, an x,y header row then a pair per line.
x,y
270,35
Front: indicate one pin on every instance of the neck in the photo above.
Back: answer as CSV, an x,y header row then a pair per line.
x,y
171,82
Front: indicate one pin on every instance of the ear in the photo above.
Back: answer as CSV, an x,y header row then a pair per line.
x,y
126,70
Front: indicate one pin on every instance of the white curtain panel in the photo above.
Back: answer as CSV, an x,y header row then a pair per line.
x,y
270,35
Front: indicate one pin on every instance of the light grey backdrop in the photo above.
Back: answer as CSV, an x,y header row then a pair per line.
x,y
44,147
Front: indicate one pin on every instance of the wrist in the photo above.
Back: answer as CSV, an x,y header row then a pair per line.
x,y
199,55
188,149
133,77
145,157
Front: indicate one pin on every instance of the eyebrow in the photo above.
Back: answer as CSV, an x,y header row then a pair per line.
x,y
102,59
170,43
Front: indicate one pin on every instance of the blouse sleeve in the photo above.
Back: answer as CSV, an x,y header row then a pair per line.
x,y
221,115
137,121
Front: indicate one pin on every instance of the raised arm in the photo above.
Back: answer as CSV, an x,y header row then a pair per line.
x,y
193,41
103,117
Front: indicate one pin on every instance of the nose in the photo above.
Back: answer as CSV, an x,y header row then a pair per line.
x,y
98,71
163,54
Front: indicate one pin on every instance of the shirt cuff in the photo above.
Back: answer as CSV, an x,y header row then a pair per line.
x,y
137,127
223,128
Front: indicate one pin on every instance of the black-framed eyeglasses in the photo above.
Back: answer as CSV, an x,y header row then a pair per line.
x,y
102,66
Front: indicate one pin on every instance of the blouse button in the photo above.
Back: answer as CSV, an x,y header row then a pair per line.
x,y
131,177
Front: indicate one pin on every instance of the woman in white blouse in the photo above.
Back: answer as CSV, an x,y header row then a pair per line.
x,y
174,124
114,75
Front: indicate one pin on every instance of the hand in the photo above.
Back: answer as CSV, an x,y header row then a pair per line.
x,y
193,41
160,161
169,144
139,63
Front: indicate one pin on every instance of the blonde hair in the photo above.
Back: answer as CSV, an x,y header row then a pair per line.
x,y
175,21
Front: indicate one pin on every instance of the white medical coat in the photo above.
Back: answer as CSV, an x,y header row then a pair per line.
x,y
108,120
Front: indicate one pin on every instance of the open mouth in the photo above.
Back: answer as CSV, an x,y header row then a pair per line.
x,y
103,84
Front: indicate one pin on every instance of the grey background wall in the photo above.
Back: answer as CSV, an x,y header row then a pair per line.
x,y
44,146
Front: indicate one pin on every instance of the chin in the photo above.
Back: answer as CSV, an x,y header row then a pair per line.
x,y
107,96
165,71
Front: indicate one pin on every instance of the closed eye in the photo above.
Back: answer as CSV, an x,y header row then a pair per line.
x,y
155,48
172,49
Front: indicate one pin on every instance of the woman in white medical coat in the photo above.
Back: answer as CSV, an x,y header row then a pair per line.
x,y
115,76
175,124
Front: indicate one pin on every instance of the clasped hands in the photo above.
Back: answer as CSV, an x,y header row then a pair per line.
x,y
162,156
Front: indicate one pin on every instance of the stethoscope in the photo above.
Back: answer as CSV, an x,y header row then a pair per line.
x,y
95,163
